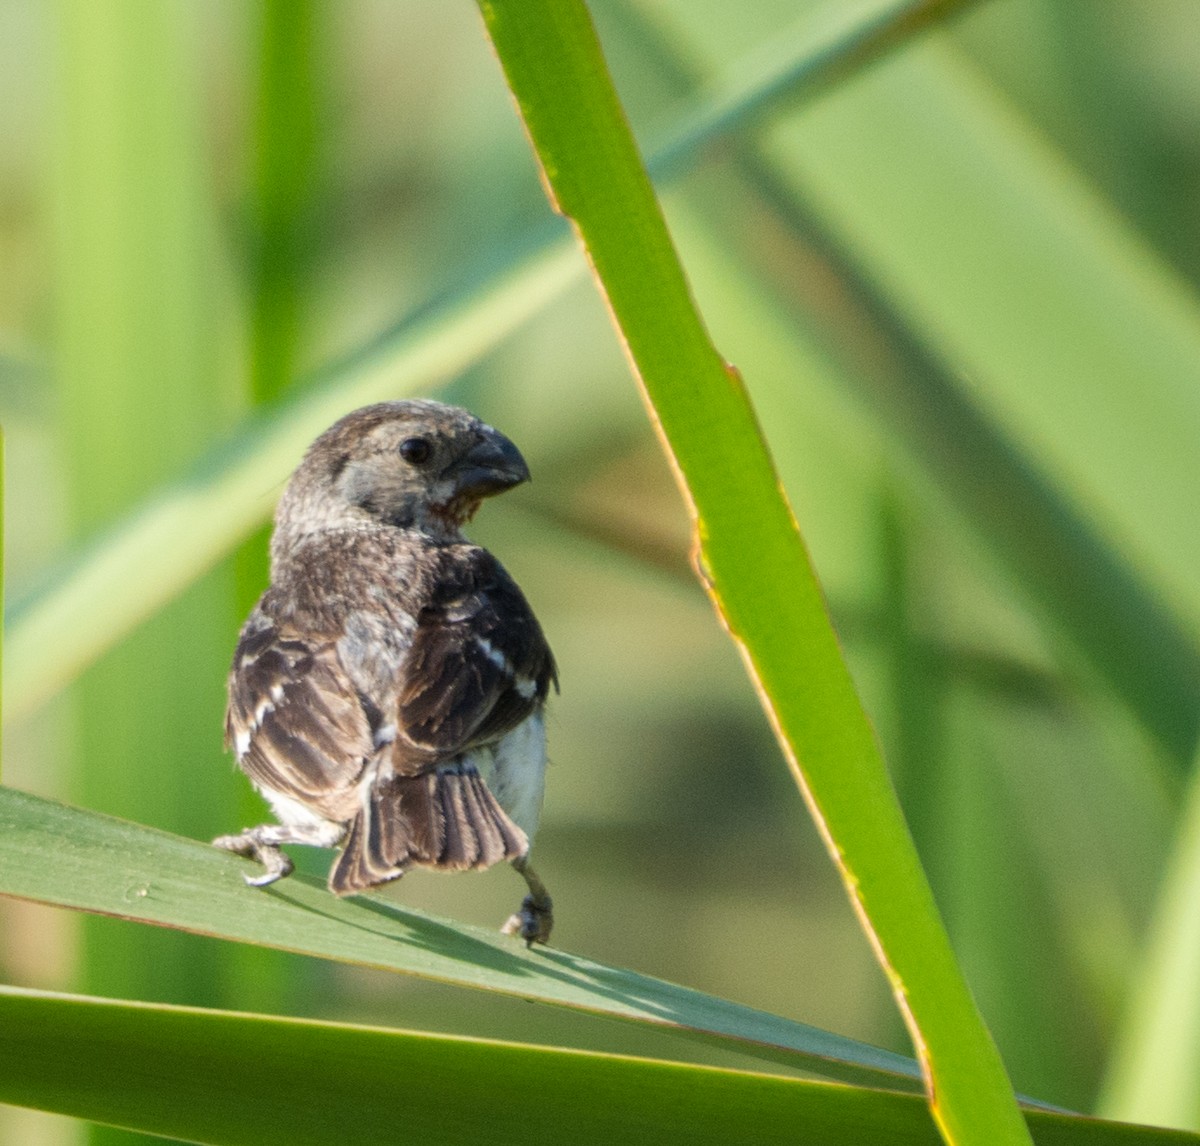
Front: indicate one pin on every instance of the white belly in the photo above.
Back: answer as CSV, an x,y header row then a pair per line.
x,y
515,771
318,831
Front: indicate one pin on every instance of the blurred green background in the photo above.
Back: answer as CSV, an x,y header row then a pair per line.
x,y
961,288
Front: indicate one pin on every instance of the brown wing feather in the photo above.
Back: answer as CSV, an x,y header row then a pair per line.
x,y
294,718
479,664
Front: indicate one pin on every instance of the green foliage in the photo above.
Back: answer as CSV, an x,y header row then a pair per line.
x,y
159,1069
51,853
156,1068
283,1080
959,278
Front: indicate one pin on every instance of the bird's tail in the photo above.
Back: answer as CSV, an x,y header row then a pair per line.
x,y
447,820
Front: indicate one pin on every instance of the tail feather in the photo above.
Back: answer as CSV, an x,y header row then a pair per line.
x,y
458,838
411,816
444,820
485,834
353,872
490,844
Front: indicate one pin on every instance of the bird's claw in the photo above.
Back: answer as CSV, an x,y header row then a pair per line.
x,y
533,922
278,867
247,844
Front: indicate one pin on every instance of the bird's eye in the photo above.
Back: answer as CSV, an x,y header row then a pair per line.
x,y
415,451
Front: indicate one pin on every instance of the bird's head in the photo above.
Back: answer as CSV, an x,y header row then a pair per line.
x,y
410,464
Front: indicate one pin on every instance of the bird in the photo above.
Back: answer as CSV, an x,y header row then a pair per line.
x,y
387,691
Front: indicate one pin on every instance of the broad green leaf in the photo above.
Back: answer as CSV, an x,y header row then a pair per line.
x,y
1070,333
240,1080
51,853
1083,587
749,549
102,592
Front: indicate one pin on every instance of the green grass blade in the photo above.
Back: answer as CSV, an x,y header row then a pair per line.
x,y
284,200
1083,587
750,550
1155,1073
287,148
240,1080
55,854
1,595
85,606
1075,336
837,41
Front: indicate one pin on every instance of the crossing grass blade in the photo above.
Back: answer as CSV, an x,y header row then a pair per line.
x,y
1157,1058
233,1079
749,549
241,1080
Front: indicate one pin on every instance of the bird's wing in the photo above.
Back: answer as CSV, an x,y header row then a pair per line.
x,y
294,719
478,666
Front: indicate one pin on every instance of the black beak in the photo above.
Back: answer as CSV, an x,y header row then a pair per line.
x,y
490,467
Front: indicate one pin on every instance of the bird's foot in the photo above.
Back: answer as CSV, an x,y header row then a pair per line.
x,y
533,922
251,845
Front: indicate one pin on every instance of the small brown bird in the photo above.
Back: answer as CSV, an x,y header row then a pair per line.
x,y
387,690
